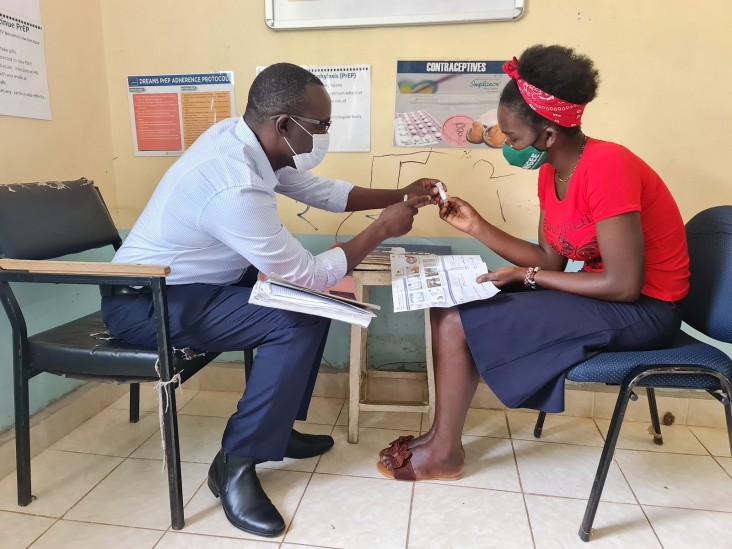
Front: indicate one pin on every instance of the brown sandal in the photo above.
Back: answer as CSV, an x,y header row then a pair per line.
x,y
394,445
401,467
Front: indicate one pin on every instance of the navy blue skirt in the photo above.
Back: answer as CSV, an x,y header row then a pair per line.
x,y
524,342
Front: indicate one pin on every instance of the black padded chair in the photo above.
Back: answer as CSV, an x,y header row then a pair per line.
x,y
40,221
687,363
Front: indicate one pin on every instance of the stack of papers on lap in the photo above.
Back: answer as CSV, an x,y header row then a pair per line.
x,y
278,293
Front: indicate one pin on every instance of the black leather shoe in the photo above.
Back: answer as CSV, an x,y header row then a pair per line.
x,y
245,504
301,446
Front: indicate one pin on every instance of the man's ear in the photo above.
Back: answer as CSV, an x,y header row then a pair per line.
x,y
282,124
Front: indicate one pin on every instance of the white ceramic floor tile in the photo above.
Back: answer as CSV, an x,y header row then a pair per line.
x,y
714,440
357,459
20,530
567,471
204,514
199,439
83,535
136,494
109,433
149,398
486,423
297,546
304,465
726,463
706,412
456,517
180,540
58,480
555,523
323,411
677,480
211,403
684,528
677,439
400,421
567,429
489,463
352,512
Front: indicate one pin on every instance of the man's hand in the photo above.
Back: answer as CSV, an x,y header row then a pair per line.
x,y
424,187
397,219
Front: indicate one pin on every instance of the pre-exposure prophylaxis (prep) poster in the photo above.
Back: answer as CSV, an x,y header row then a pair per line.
x,y
23,81
169,111
448,103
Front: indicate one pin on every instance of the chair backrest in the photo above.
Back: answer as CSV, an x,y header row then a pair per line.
x,y
52,219
708,307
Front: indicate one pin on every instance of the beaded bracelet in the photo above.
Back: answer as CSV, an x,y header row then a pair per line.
x,y
529,277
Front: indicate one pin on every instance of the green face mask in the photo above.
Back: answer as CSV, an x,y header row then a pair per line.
x,y
528,158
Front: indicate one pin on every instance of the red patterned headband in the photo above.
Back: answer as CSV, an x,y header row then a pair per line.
x,y
550,107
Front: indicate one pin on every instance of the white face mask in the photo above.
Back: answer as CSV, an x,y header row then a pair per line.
x,y
308,161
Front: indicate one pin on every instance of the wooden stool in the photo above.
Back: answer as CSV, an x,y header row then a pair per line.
x,y
358,372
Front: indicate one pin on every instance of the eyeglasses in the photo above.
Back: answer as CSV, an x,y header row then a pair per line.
x,y
325,125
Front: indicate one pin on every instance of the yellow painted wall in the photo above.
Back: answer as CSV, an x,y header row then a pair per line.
x,y
664,69
78,140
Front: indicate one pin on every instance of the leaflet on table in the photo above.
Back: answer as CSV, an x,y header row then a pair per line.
x,y
423,281
278,293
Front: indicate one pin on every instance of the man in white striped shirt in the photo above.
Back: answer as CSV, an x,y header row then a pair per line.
x,y
212,217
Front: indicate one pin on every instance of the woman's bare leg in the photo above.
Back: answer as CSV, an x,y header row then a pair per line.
x,y
439,451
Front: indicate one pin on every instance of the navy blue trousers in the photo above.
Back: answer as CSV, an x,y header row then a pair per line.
x,y
524,342
219,318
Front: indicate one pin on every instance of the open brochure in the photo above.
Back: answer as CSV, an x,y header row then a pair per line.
x,y
278,293
423,281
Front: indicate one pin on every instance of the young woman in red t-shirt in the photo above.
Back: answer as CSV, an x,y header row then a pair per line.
x,y
600,204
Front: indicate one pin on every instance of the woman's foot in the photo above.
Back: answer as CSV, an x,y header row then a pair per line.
x,y
428,461
411,442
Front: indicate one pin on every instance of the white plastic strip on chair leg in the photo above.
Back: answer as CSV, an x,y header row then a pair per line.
x,y
160,388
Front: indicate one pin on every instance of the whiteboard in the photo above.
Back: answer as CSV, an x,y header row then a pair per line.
x,y
311,14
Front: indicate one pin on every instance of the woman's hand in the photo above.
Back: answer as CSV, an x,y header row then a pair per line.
x,y
424,187
461,215
503,276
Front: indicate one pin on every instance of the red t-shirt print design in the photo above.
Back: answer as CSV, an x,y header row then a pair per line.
x,y
576,240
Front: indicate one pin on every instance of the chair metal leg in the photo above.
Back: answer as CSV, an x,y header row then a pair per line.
x,y
22,438
728,415
170,412
134,402
657,436
606,459
539,424
172,455
248,363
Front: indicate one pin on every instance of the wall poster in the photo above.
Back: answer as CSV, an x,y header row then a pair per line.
x,y
169,111
23,81
448,104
